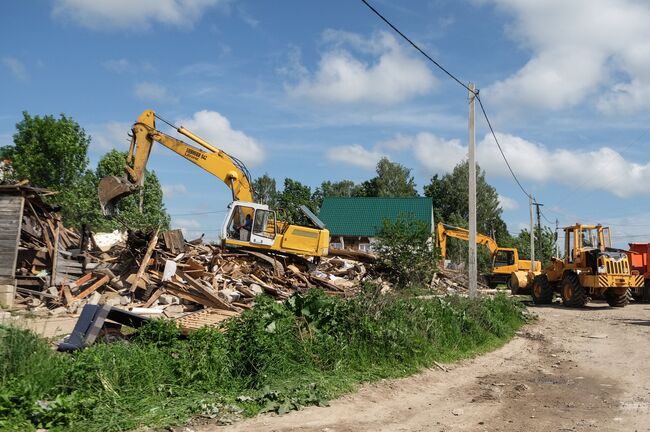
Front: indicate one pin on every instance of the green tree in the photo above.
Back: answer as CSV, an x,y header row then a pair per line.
x,y
449,194
143,209
406,253
6,171
265,191
293,195
548,240
392,180
343,188
50,152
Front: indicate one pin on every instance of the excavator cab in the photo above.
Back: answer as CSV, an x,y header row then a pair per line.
x,y
250,222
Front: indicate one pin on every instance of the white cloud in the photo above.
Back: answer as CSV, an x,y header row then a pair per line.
x,y
15,67
123,65
149,91
601,169
394,74
169,190
578,48
354,154
132,15
112,135
216,129
189,227
435,154
507,203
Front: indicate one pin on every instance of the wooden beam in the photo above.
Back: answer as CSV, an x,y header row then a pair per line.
x,y
145,260
92,288
55,258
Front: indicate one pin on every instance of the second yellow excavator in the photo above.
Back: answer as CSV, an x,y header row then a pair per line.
x,y
505,261
248,224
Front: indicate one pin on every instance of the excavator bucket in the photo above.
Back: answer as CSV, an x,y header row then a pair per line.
x,y
111,190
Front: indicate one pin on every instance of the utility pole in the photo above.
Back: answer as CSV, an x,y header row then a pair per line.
x,y
472,197
532,231
539,232
557,245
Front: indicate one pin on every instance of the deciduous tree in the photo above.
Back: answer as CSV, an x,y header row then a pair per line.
x,y
50,152
392,180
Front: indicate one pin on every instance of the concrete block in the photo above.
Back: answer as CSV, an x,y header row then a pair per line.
x,y
7,295
94,298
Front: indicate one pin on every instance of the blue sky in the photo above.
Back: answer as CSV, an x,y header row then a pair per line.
x,y
321,90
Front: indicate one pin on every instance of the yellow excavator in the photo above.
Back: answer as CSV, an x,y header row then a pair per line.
x,y
505,261
248,224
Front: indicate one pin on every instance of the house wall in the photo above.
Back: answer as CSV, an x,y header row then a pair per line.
x,y
351,242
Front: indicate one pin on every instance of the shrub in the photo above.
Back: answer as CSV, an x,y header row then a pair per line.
x,y
406,252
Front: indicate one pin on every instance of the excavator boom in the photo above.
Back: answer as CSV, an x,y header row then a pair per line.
x,y
217,162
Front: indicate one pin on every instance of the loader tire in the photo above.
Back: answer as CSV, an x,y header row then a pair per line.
x,y
541,291
617,299
573,294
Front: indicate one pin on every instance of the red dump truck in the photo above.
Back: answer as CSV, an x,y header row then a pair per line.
x,y
638,256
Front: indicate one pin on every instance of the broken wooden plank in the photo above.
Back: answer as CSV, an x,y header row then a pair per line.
x,y
92,288
153,298
209,292
145,260
36,293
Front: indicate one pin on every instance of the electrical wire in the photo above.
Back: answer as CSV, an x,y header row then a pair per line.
x,y
494,135
418,48
453,77
199,213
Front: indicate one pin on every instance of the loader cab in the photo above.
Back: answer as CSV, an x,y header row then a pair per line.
x,y
250,223
584,243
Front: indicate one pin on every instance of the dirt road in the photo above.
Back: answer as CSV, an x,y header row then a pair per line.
x,y
571,370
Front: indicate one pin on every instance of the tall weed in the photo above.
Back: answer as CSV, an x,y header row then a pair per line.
x,y
276,357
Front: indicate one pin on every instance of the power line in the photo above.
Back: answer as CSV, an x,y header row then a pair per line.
x,y
199,213
487,119
453,77
418,48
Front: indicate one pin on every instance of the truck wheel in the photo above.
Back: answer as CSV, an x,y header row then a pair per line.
x,y
541,291
573,294
617,298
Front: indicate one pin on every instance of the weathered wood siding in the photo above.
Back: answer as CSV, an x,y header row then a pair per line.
x,y
11,216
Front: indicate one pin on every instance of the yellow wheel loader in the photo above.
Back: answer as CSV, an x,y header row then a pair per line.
x,y
590,268
248,224
505,261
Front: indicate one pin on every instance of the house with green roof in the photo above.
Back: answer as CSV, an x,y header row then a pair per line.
x,y
355,222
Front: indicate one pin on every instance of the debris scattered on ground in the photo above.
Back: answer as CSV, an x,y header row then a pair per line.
x,y
160,274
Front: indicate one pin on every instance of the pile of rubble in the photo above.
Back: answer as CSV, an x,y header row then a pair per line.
x,y
158,273
59,271
449,281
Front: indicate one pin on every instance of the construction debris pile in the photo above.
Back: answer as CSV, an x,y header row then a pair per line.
x,y
59,271
161,273
451,281
48,253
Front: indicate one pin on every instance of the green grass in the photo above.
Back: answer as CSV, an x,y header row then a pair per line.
x,y
276,357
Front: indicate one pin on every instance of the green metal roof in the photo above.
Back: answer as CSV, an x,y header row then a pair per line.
x,y
365,216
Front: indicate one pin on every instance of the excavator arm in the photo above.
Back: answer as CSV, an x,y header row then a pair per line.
x,y
215,161
444,231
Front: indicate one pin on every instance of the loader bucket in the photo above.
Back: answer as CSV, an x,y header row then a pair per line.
x,y
111,190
